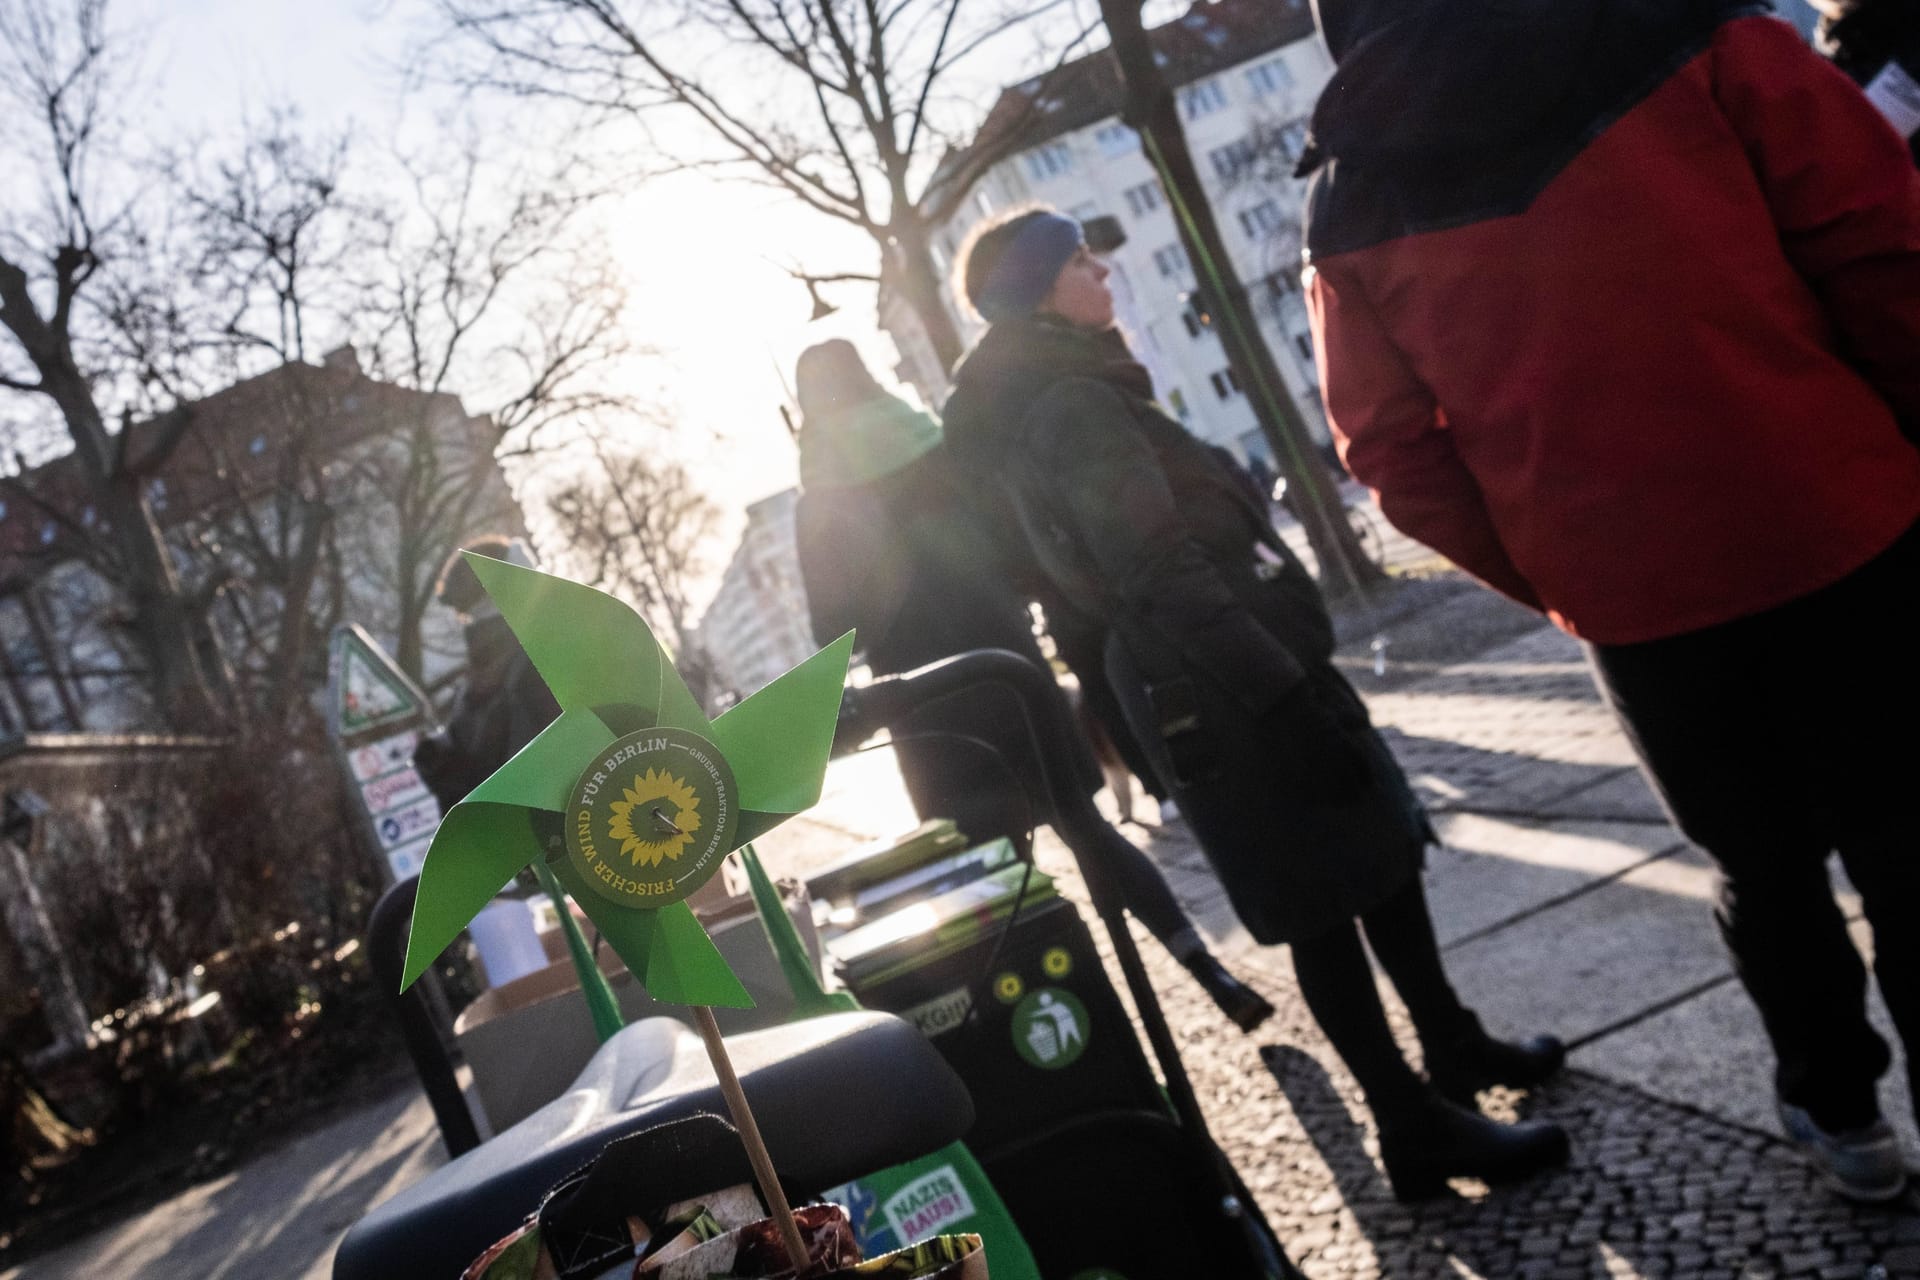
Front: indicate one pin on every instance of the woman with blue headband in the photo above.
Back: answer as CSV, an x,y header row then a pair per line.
x,y
1221,650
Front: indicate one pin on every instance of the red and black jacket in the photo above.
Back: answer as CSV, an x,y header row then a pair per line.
x,y
1617,302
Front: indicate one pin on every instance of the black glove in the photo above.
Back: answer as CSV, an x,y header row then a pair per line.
x,y
1315,757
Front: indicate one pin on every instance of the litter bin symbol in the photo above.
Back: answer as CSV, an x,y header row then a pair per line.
x,y
1050,1028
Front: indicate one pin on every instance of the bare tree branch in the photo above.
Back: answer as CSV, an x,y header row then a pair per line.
x,y
857,63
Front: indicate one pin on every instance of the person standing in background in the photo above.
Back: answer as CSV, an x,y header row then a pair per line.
x,y
1617,305
504,704
890,550
1220,651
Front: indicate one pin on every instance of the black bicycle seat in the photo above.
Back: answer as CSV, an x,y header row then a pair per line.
x,y
836,1097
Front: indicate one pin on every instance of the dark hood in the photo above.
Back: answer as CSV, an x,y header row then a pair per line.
x,y
1425,82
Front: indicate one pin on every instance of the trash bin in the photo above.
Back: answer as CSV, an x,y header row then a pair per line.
x,y
1000,973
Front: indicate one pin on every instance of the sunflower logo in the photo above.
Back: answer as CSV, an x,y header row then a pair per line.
x,y
656,818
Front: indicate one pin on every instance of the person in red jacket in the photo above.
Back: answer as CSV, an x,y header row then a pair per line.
x,y
1617,305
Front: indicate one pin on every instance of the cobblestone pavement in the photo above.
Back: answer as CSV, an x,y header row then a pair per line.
x,y
1676,1172
1656,1188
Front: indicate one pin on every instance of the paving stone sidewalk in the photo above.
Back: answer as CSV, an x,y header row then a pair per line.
x,y
1564,902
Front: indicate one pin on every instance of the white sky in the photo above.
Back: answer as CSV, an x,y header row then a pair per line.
x,y
691,245
694,247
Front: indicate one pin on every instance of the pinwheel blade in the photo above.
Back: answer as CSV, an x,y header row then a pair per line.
x,y
591,649
478,848
542,773
778,740
666,950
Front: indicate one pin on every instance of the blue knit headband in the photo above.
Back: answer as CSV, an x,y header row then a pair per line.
x,y
1024,276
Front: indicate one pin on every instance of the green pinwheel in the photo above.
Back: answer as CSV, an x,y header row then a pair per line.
x,y
632,796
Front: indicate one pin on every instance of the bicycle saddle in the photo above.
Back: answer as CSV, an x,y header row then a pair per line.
x,y
837,1097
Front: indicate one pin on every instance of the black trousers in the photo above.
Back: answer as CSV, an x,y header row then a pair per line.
x,y
1775,741
1340,990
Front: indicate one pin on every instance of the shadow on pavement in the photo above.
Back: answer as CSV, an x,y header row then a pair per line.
x,y
1654,1189
1448,1236
1452,776
280,1216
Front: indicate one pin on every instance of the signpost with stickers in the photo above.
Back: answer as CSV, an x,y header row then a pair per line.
x,y
376,717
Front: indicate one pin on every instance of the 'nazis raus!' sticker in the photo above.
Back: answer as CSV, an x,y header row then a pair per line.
x,y
650,820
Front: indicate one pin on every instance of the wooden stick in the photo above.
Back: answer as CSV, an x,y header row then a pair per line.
x,y
763,1171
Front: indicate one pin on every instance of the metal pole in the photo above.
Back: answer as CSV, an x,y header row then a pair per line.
x,y
387,941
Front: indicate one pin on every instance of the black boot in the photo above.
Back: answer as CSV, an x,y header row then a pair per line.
x,y
1473,1060
1244,1007
1425,1144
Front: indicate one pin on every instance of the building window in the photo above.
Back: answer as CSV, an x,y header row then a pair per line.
x,y
1049,161
1170,260
1116,140
1262,220
1203,99
1195,323
1282,283
1143,199
1303,343
1177,401
1230,160
1291,141
1269,78
1226,384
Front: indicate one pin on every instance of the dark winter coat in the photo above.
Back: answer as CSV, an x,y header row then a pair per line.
x,y
504,706
1617,302
901,561
1869,38
1131,519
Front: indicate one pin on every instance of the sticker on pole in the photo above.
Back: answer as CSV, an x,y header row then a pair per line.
x,y
392,790
1050,1028
408,858
369,696
383,756
376,717
405,825
651,819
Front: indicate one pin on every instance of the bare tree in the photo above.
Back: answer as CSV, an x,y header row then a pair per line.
x,y
132,287
1148,107
639,528
847,106
489,290
61,266
267,262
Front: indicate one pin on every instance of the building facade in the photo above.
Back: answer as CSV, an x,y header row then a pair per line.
x,y
1245,75
307,481
757,627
